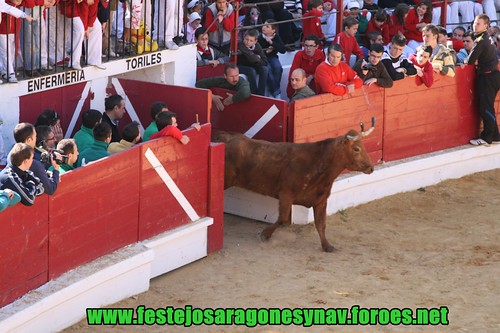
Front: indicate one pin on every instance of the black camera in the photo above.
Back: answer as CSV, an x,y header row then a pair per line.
x,y
368,67
46,155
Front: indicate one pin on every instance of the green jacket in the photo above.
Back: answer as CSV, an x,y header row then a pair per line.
x,y
150,130
93,153
84,138
242,88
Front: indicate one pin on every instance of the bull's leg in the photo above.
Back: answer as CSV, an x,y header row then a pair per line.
x,y
285,209
320,223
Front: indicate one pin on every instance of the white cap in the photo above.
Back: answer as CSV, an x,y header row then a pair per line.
x,y
192,4
194,16
353,4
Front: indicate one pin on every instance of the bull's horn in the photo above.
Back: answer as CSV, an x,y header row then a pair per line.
x,y
363,133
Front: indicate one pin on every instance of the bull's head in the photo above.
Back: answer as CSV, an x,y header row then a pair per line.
x,y
359,160
363,133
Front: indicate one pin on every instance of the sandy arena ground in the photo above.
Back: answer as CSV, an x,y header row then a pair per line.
x,y
438,246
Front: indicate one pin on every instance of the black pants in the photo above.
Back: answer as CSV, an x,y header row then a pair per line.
x,y
487,86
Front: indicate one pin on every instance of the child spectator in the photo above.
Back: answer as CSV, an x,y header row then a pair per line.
x,y
335,76
362,17
425,72
69,148
206,55
271,42
395,61
99,149
252,61
417,19
167,126
219,33
190,28
131,135
84,138
372,70
397,20
50,118
347,40
379,23
156,108
311,22
252,18
17,176
329,19
8,198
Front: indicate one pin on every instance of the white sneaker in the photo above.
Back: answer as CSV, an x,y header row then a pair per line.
x,y
76,66
479,142
100,66
171,45
11,79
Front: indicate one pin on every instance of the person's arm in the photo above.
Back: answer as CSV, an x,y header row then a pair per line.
x,y
448,65
324,81
428,75
49,184
410,69
278,44
242,91
4,199
207,83
384,80
228,22
393,73
353,78
27,189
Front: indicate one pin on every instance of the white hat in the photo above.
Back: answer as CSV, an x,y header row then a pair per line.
x,y
194,16
192,4
351,5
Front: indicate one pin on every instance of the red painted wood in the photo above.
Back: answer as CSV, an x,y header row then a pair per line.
x,y
24,252
187,165
216,197
203,72
94,211
186,102
240,117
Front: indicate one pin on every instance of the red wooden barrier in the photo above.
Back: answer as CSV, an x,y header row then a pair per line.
x,y
216,197
159,209
240,117
24,252
203,72
94,211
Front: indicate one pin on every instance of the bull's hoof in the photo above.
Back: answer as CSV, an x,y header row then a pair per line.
x,y
329,248
266,234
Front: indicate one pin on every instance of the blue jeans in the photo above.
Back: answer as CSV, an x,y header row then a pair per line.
x,y
251,73
274,78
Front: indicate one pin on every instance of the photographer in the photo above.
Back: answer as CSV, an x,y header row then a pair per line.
x,y
68,151
372,70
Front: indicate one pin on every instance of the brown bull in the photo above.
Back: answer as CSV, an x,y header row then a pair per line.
x,y
293,173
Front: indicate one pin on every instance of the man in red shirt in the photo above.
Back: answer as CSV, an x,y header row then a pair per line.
x,y
167,126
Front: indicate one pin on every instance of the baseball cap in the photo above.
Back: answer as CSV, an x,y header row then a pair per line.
x,y
192,4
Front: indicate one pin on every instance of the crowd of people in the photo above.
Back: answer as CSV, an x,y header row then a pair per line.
x,y
41,153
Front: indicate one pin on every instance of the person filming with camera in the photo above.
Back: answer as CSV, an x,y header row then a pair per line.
x,y
371,70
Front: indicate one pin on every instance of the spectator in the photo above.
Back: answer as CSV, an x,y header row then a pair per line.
x,y
393,3
131,135
252,61
371,6
379,23
3,153
395,61
18,178
347,40
362,17
252,18
465,51
425,72
417,19
69,148
219,33
232,81
397,20
484,56
167,126
276,11
115,110
311,22
441,58
50,118
45,142
84,138
99,149
74,39
329,21
103,15
205,54
271,42
457,38
443,40
25,133
463,7
307,59
298,82
93,33
335,76
168,15
8,198
156,108
372,70
190,28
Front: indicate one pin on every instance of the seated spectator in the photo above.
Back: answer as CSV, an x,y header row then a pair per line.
x,y
252,18
220,32
232,81
190,28
465,51
372,70
329,21
311,22
335,76
347,40
45,142
25,133
443,40
50,118
205,54
362,16
397,20
466,10
276,11
298,82
99,149
131,135
84,138
252,61
371,6
395,61
156,108
441,58
307,59
115,110
417,19
379,23
17,176
8,198
167,126
425,72
457,38
271,42
69,148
